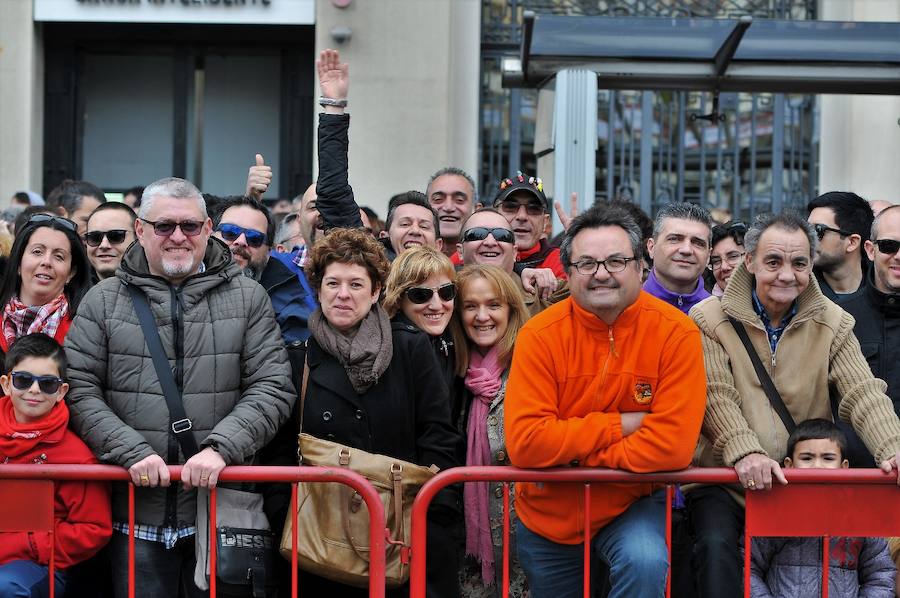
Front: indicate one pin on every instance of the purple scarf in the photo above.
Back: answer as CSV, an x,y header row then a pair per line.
x,y
483,379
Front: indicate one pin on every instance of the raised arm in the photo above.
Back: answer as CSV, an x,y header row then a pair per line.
x,y
335,201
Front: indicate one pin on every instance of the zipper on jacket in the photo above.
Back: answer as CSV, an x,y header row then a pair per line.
x,y
177,336
680,300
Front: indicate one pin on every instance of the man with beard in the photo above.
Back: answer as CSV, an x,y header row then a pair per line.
x,y
680,248
842,221
247,227
110,230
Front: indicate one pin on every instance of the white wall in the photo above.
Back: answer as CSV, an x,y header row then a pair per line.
x,y
21,100
860,135
413,100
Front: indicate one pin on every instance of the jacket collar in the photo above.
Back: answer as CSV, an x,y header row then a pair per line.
x,y
655,288
886,303
626,319
737,300
275,274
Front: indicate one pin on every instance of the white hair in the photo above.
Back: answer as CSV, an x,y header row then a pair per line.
x,y
170,187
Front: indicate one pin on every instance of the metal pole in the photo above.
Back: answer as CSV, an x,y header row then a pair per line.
x,y
778,154
647,151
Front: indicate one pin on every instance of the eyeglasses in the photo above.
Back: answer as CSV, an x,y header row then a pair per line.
x,y
589,267
24,380
95,237
480,233
888,246
821,229
231,232
511,206
63,222
732,259
165,228
420,295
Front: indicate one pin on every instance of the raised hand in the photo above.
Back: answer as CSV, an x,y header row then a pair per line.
x,y
259,178
334,75
565,218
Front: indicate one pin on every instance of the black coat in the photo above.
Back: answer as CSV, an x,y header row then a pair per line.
x,y
334,196
877,328
406,414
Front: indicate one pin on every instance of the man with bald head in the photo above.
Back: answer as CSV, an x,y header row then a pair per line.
x,y
876,310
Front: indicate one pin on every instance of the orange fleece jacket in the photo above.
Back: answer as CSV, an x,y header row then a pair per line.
x,y
571,378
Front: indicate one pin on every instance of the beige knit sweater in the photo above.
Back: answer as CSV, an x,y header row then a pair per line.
x,y
817,349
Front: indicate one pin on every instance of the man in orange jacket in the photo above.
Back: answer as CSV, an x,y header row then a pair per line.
x,y
610,377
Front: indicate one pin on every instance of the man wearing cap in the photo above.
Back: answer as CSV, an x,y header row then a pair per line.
x,y
522,202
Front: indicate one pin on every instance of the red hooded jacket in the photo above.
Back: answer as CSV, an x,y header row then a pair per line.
x,y
82,511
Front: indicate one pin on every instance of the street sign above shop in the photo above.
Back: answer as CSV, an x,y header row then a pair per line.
x,y
207,12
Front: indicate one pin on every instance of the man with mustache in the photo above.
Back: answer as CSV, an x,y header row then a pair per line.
x,y
247,227
587,374
680,248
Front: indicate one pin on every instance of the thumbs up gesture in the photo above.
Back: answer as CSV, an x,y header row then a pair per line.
x,y
258,178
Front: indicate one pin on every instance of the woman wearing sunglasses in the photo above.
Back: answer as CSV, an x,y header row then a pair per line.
x,y
372,384
492,312
725,256
45,278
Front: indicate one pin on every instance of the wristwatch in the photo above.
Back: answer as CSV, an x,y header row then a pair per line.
x,y
323,101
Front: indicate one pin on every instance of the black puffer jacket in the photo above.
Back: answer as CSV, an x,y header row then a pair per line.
x,y
220,335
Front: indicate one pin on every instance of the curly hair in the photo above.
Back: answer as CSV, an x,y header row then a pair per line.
x,y
507,291
347,246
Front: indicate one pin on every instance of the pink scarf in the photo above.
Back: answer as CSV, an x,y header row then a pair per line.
x,y
483,379
20,319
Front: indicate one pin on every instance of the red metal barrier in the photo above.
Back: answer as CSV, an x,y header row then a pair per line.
x,y
815,500
377,533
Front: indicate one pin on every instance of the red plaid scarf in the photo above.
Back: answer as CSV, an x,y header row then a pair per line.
x,y
20,319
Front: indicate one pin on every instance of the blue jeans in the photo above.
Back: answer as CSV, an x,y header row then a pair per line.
x,y
25,579
633,545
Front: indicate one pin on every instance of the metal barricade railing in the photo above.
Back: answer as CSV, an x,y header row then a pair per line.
x,y
815,501
293,475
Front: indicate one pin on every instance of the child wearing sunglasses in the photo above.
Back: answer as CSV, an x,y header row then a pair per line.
x,y
34,422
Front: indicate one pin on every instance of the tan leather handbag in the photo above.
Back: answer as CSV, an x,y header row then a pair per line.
x,y
333,521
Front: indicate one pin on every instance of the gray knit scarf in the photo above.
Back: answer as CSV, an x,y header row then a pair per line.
x,y
365,352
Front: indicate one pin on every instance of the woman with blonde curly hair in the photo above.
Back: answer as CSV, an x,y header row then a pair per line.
x,y
492,312
372,384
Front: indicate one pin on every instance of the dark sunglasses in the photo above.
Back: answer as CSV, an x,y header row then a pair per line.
x,y
821,229
420,295
63,222
95,237
887,246
511,206
480,233
231,232
24,380
165,228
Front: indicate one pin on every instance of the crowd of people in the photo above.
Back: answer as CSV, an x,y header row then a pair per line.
x,y
455,333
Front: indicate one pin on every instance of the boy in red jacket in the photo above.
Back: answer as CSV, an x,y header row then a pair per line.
x,y
34,429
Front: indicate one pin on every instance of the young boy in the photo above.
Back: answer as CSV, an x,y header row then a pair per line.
x,y
33,430
792,567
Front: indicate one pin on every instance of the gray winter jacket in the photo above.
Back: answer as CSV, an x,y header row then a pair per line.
x,y
219,333
792,568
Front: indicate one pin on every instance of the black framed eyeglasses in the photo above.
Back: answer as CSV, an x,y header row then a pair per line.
x,y
480,233
165,228
115,236
24,380
821,229
63,222
887,246
231,232
589,267
420,295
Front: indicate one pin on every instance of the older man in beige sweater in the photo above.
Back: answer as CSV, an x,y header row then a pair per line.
x,y
806,345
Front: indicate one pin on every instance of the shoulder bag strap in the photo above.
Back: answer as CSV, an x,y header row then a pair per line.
x,y
180,425
764,379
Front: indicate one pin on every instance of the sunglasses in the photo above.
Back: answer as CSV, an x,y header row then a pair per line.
x,y
165,228
230,232
63,222
115,236
887,246
480,233
511,206
821,229
24,380
420,295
